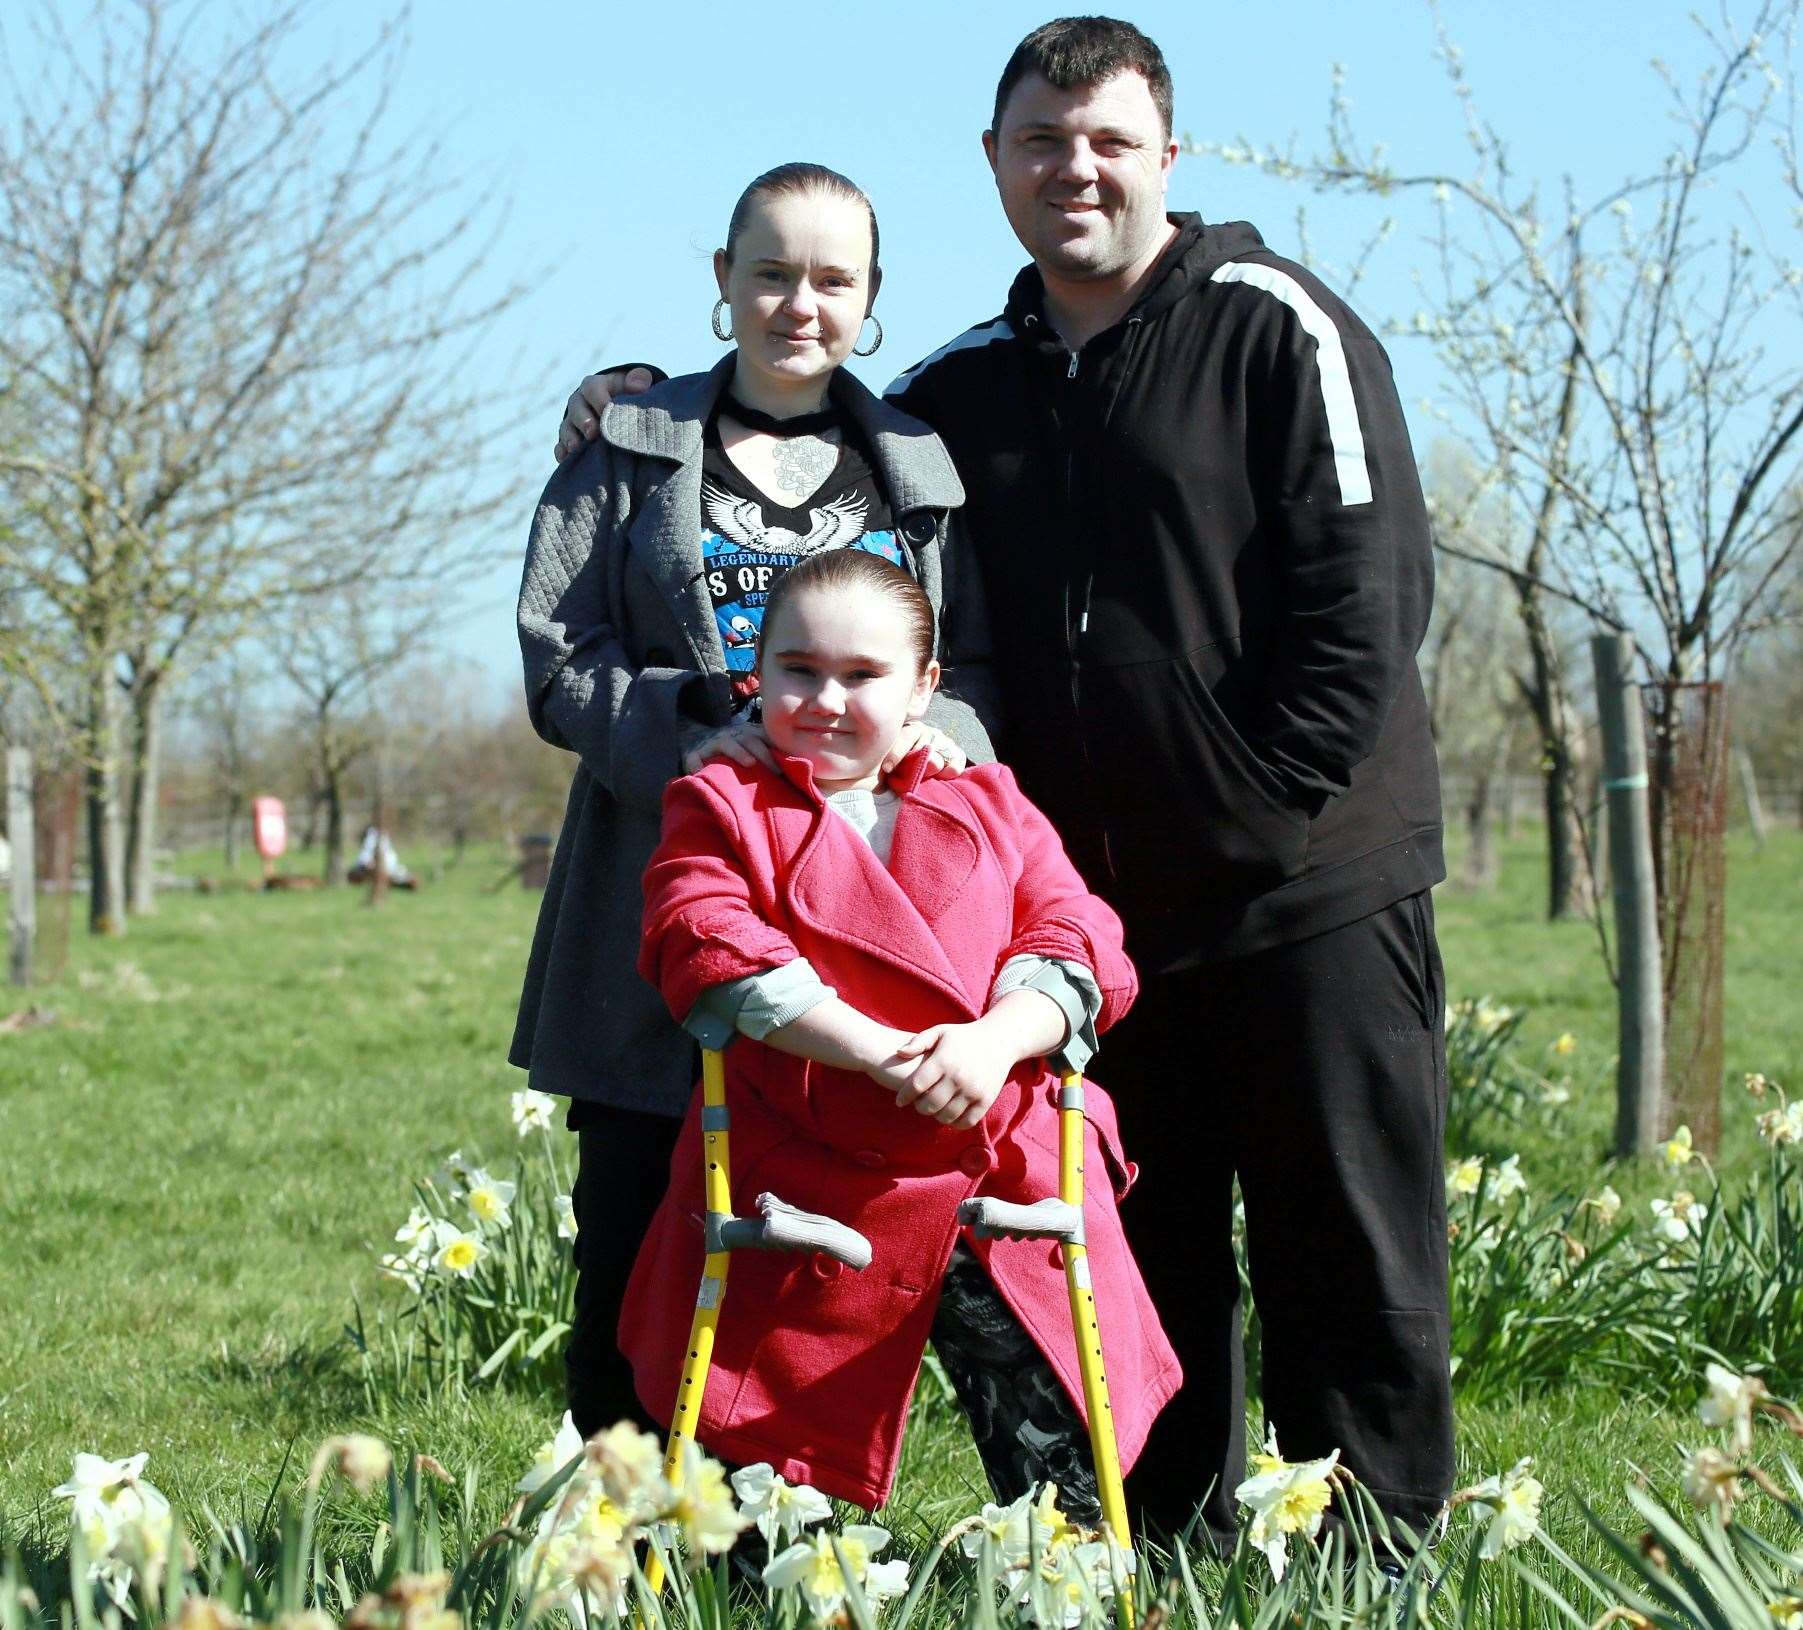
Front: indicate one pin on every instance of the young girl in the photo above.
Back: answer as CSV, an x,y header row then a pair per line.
x,y
902,957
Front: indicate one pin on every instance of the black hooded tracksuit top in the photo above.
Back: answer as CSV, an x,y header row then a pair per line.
x,y
1208,571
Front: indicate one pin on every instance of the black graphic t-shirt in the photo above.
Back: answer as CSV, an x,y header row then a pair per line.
x,y
748,540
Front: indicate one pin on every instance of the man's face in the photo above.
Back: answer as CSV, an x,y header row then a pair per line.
x,y
1082,174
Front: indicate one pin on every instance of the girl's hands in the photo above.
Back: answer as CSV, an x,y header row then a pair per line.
x,y
743,742
944,756
960,1070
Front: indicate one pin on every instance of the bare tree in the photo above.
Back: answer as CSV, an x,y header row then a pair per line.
x,y
338,657
1608,360
221,288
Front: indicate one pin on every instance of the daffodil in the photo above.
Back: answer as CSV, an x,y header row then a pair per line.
x,y
458,1253
489,1198
1513,1500
1464,1177
416,1230
1505,1180
702,1507
1787,1612
1565,1046
408,1270
362,1461
1711,1482
1678,1149
631,1466
1284,1498
780,1509
812,1565
1606,1203
1728,1402
1679,1218
551,1456
452,1173
107,1496
1782,1126
1490,1017
1004,1529
532,1111
565,1210
1757,1085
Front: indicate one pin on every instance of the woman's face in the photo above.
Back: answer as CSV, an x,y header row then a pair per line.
x,y
800,285
838,680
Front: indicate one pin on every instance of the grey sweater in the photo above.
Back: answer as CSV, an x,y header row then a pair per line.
x,y
624,668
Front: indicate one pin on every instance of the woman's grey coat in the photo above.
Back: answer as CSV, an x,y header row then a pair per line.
x,y
624,667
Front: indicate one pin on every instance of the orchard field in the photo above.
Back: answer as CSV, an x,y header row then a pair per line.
x,y
206,1151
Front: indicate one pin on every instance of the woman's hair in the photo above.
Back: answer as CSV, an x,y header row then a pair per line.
x,y
799,178
838,570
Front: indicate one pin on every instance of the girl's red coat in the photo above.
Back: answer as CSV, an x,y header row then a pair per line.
x,y
814,1365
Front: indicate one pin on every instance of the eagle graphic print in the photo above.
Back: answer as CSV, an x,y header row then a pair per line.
x,y
748,541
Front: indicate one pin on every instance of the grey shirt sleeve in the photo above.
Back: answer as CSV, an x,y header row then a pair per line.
x,y
757,1004
1073,987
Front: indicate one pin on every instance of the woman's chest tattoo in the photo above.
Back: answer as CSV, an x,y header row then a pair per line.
x,y
801,463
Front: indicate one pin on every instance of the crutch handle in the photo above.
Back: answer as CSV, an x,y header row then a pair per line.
x,y
780,1226
1043,1219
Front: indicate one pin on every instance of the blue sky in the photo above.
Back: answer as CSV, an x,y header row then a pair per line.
x,y
620,135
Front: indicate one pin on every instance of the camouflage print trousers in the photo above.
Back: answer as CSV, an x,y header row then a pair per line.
x,y
1026,1428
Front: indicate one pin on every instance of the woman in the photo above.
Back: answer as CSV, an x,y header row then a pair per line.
x,y
651,558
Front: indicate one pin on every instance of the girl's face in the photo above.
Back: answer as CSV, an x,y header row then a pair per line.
x,y
839,679
800,285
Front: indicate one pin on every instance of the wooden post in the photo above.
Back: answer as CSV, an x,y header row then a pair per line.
x,y
1749,785
1639,1080
24,911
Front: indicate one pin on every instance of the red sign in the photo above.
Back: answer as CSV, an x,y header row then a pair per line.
x,y
270,822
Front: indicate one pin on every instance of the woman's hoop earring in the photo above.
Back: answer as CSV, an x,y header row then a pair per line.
x,y
719,332
876,344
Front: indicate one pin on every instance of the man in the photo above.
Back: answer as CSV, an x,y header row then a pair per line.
x,y
1207,566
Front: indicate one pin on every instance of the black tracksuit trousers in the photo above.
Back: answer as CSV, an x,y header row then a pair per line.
x,y
1316,1072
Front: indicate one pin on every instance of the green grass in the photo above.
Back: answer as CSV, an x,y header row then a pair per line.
x,y
201,1160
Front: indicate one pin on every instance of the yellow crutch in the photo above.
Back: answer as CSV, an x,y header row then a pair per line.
x,y
777,1227
1062,1219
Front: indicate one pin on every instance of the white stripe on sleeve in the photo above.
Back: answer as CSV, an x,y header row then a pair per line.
x,y
1330,357
982,334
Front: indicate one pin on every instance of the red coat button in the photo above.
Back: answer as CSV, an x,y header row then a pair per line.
x,y
875,1159
827,1267
975,1160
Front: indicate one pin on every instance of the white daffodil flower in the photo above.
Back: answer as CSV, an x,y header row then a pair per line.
x,y
1005,1529
1606,1203
1284,1498
780,1509
1782,1126
1678,1148
408,1270
1505,1180
362,1461
702,1507
1711,1482
1728,1403
1490,1017
1679,1218
631,1465
565,1209
416,1230
551,1456
457,1253
1464,1177
124,1522
489,1198
532,1111
452,1173
1513,1500
812,1565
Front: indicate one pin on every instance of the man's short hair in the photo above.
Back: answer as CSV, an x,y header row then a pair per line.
x,y
1077,52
